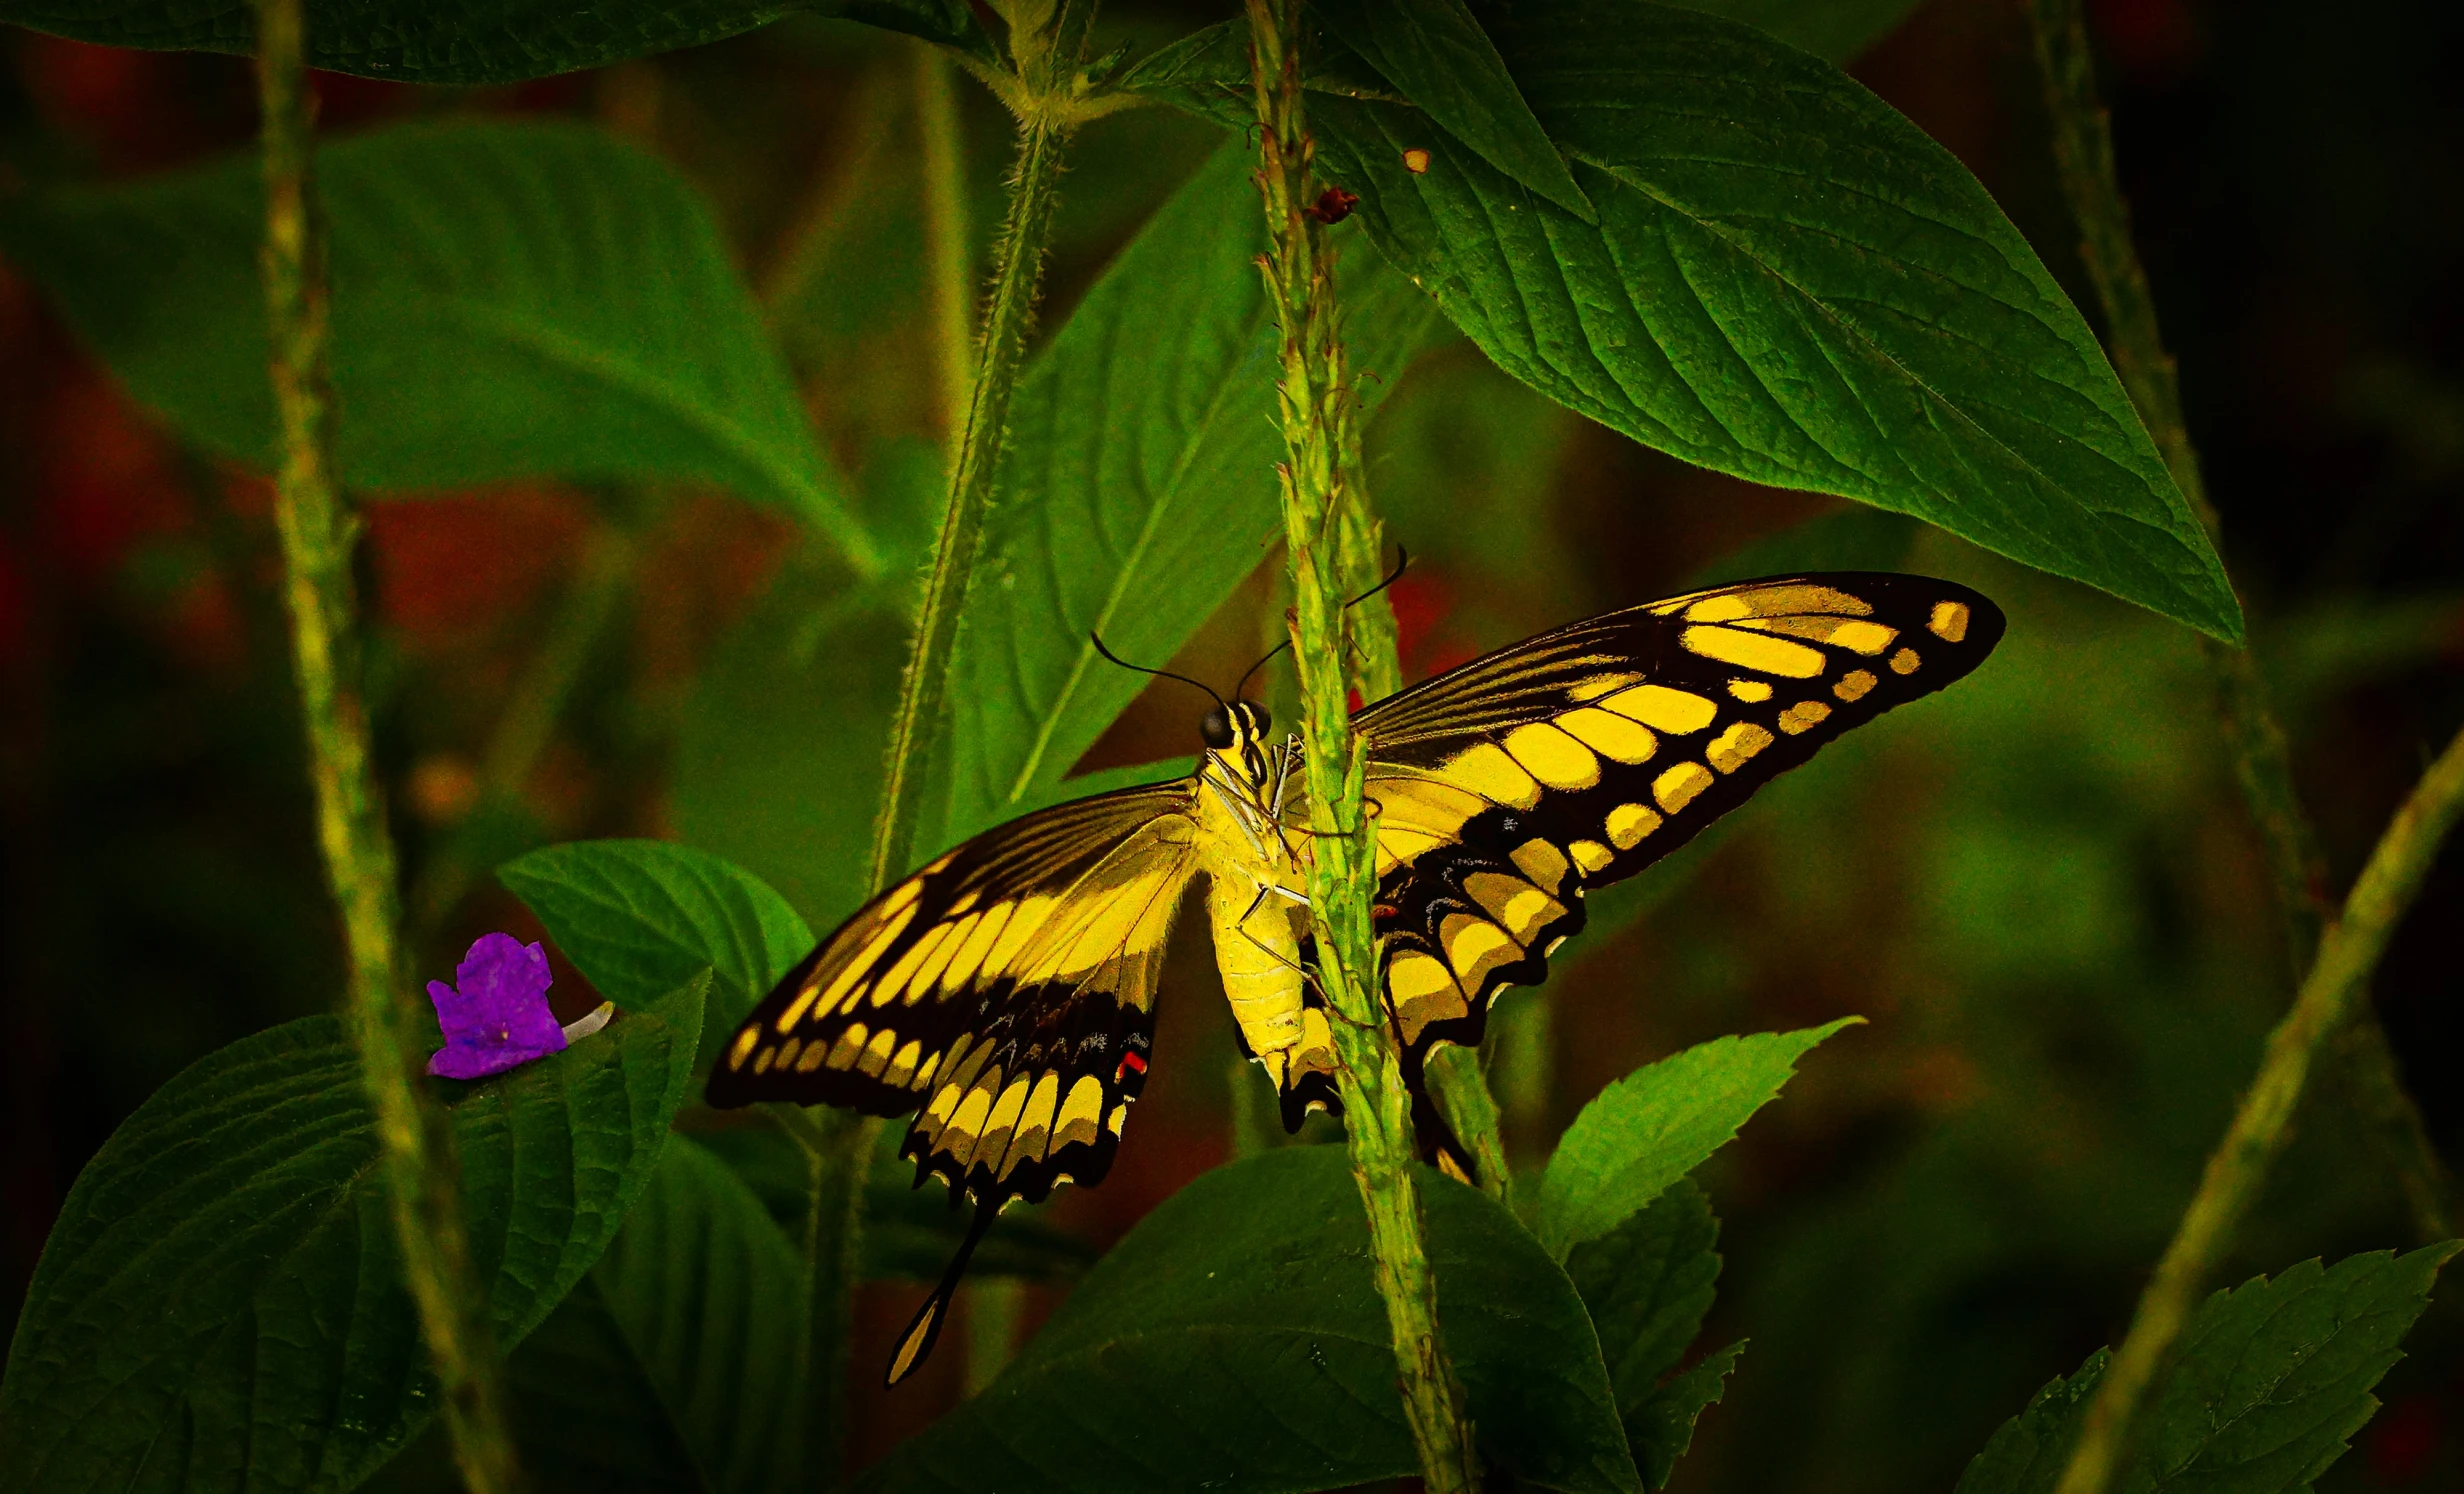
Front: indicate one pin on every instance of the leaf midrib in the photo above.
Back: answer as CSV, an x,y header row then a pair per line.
x,y
1024,781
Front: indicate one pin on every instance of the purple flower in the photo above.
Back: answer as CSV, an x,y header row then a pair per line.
x,y
499,1018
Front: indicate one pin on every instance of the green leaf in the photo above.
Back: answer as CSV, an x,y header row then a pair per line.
x,y
1234,1341
1648,1284
220,1305
638,917
671,1366
701,1286
509,300
474,41
778,764
1789,282
2265,1391
1436,55
1834,30
1138,487
1657,1124
1662,1427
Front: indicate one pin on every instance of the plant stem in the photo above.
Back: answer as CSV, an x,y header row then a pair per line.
x,y
414,1135
1017,278
2083,153
1321,513
2348,952
841,1143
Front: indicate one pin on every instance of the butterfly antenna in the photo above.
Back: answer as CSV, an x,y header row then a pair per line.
x,y
1097,640
1403,561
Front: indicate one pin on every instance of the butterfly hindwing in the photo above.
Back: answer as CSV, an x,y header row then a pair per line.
x,y
1506,787
1004,994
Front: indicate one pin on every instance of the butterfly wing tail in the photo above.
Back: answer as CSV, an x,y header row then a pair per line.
x,y
924,1330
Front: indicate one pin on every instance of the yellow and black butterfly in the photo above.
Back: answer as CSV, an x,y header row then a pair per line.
x,y
1004,995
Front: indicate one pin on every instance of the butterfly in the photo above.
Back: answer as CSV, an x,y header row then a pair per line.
x,y
1003,996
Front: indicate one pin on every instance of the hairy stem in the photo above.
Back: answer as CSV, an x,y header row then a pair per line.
x,y
2348,952
1322,521
842,1144
2262,764
2337,966
414,1135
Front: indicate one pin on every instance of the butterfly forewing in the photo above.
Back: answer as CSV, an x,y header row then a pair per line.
x,y
1004,994
1506,787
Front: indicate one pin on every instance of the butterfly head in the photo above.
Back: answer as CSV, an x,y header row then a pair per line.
x,y
1236,733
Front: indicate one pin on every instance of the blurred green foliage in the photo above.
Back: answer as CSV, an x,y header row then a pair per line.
x,y
2038,888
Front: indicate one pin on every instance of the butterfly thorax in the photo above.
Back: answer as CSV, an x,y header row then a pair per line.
x,y
1257,873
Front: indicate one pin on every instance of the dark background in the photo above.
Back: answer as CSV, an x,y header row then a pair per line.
x,y
2040,888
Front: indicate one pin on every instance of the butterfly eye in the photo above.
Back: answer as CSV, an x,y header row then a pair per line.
x,y
1216,729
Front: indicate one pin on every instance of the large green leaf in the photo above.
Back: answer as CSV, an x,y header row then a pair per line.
x,y
1436,55
221,1305
672,1366
1138,486
1234,1341
1836,30
509,300
1788,282
637,917
2265,1392
474,41
1657,1124
1648,1284
701,1285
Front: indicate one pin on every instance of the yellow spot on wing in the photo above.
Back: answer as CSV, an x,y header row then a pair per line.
x,y
1485,769
876,1056
902,1068
1629,823
928,974
1904,662
1592,856
768,1056
1949,622
787,1053
993,1150
1676,788
1770,601
911,1347
1854,685
1542,862
1423,991
1082,1116
1844,632
1804,716
1475,946
743,1048
1553,757
917,953
1519,908
958,1139
850,1043
980,939
1752,692
1034,1123
1609,734
1756,651
1676,711
1601,684
1730,749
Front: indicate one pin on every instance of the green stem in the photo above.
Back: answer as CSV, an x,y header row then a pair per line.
x,y
2348,952
842,1144
1316,409
1017,278
414,1135
2262,763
